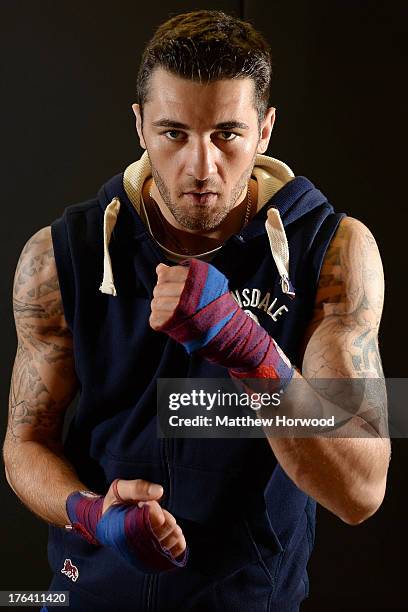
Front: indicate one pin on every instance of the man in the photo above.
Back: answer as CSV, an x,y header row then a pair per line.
x,y
205,524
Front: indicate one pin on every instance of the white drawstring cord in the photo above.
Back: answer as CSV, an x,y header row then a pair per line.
x,y
279,248
109,222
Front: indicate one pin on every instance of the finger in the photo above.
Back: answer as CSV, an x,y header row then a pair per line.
x,y
156,320
177,551
179,548
171,288
165,303
163,532
168,526
156,515
175,537
161,267
171,273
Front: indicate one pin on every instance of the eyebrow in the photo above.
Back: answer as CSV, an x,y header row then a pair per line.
x,y
225,125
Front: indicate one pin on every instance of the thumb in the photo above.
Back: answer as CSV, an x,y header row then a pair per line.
x,y
137,490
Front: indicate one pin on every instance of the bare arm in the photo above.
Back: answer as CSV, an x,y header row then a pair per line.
x,y
42,386
347,475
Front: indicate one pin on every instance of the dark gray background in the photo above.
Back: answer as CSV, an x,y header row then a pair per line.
x,y
68,81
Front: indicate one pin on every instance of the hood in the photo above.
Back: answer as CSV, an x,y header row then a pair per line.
x,y
288,198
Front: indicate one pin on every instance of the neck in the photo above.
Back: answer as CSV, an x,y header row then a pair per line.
x,y
172,235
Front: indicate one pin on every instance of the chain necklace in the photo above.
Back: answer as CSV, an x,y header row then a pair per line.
x,y
248,207
174,240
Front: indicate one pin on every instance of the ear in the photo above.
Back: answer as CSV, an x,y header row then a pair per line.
x,y
266,129
136,110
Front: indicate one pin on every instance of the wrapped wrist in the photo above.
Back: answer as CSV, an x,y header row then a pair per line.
x,y
84,509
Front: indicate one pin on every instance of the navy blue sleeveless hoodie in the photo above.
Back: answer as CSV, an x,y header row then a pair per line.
x,y
250,530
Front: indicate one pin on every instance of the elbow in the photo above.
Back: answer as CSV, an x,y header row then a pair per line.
x,y
5,460
366,496
7,467
358,516
8,477
359,508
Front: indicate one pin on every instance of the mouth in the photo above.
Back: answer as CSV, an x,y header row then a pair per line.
x,y
201,197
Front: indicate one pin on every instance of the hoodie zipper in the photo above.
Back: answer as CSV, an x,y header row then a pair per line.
x,y
153,578
149,598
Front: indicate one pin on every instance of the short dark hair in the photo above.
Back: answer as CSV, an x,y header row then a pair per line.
x,y
207,46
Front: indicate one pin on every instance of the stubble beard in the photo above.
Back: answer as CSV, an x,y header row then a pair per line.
x,y
208,220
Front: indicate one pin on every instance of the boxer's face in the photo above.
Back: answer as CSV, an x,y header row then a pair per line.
x,y
202,141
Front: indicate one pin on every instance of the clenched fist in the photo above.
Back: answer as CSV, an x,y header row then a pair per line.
x,y
164,525
167,292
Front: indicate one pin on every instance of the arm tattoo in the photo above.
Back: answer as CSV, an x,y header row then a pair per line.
x,y
43,380
343,341
348,308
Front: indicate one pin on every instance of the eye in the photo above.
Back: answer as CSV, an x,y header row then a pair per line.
x,y
227,136
174,135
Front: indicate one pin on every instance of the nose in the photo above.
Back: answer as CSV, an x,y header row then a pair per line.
x,y
201,158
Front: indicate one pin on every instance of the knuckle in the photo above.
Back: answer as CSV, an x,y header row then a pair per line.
x,y
163,274
156,512
160,519
177,531
171,520
178,548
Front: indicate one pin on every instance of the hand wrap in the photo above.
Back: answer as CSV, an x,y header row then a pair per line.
x,y
124,527
208,320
